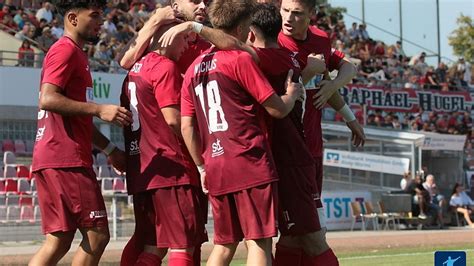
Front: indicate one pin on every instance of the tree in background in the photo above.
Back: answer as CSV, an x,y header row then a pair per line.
x,y
462,38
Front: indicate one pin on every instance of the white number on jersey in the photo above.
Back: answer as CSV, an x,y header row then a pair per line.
x,y
216,112
132,89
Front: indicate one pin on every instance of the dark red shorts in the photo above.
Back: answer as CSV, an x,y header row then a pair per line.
x,y
298,197
249,214
170,217
69,198
319,173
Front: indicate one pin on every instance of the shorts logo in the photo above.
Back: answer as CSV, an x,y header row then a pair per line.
x,y
98,214
450,258
134,147
332,157
217,149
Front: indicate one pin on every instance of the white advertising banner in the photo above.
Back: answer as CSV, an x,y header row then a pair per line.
x,y
444,142
367,162
20,86
337,208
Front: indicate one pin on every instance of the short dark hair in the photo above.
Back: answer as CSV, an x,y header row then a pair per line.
x,y
227,14
268,20
63,6
311,4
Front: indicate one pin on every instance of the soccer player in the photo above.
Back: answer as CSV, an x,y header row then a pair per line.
x,y
301,38
160,173
189,10
225,95
69,195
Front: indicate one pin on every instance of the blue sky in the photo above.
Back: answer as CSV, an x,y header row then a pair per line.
x,y
419,21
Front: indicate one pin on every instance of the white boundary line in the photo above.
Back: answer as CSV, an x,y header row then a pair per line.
x,y
395,255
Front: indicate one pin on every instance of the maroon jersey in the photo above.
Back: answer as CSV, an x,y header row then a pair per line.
x,y
65,141
317,42
287,134
195,48
156,157
224,90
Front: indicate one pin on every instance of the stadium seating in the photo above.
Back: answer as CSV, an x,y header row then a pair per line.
x,y
23,171
9,158
37,213
107,185
104,171
23,185
33,185
11,185
25,200
2,186
101,159
119,185
3,213
2,199
27,213
12,199
8,145
13,213
29,146
9,171
357,214
20,147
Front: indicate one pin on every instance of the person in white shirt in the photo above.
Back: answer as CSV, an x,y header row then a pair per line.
x,y
56,30
45,12
463,204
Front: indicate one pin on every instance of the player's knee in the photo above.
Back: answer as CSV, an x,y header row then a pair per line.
x,y
314,243
98,241
59,243
226,251
263,243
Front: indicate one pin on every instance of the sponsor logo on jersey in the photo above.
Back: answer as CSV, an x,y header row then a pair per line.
x,y
217,149
134,147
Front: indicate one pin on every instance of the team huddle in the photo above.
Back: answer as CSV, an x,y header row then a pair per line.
x,y
227,116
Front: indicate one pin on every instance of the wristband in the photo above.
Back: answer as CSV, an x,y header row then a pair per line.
x,y
109,149
347,114
201,169
197,27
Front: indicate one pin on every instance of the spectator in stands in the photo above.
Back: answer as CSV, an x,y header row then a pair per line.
x,y
441,72
109,25
8,24
462,203
17,17
353,32
143,12
23,34
56,29
399,52
419,195
463,72
103,56
437,201
39,30
46,40
26,54
124,34
45,12
362,32
431,80
5,10
406,179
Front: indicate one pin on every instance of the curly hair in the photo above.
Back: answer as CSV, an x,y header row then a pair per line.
x,y
63,6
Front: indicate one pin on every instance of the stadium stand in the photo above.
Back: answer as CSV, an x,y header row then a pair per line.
x,y
9,158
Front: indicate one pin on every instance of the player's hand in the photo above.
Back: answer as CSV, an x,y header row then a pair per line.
x,y
294,89
315,63
115,114
118,159
326,89
168,37
203,182
358,136
164,16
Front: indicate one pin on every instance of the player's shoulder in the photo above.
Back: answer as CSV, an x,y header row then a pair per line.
x,y
64,46
317,33
154,61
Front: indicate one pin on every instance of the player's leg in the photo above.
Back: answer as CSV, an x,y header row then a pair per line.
x,y
179,223
94,241
57,223
257,212
53,249
222,254
227,229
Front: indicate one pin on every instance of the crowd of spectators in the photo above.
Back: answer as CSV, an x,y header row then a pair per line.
x,y
379,64
389,66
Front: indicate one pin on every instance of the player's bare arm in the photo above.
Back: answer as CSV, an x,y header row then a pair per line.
x,y
219,38
137,46
193,143
280,106
347,71
116,156
172,117
337,103
51,99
